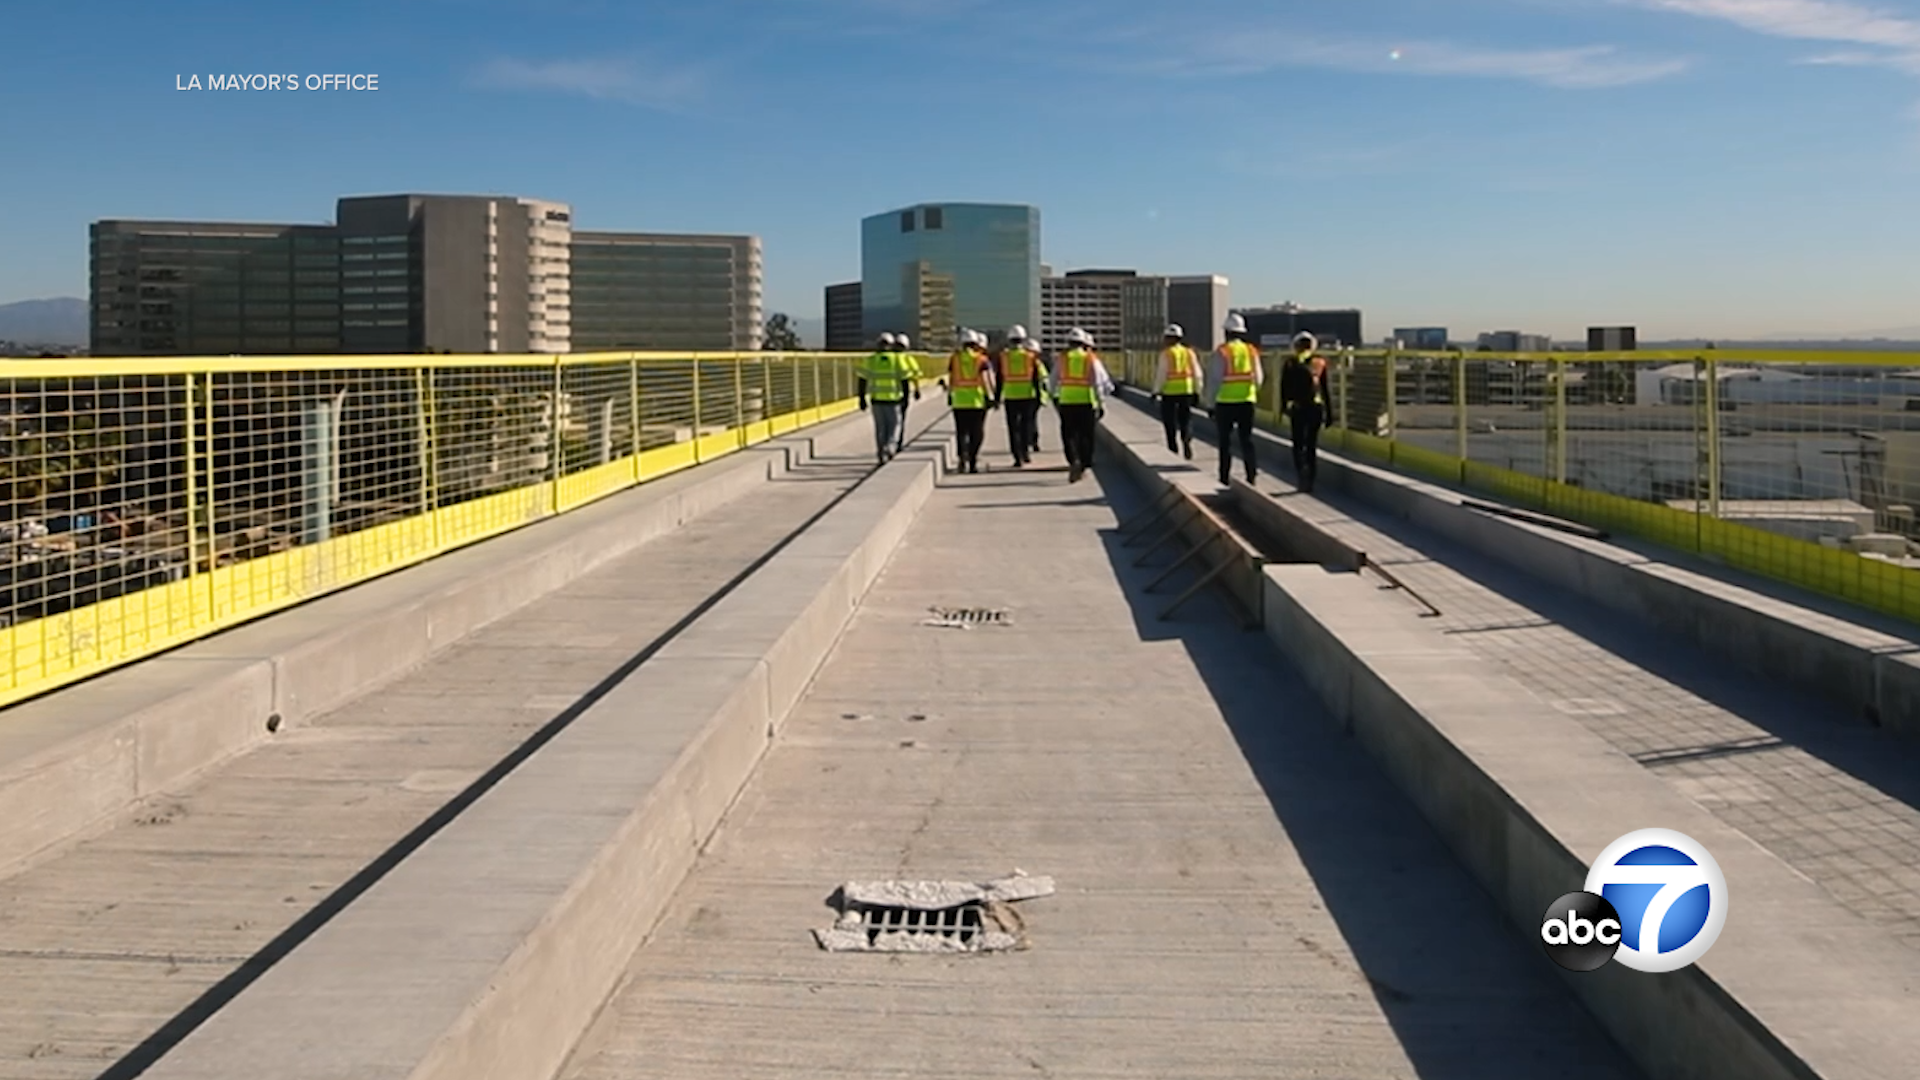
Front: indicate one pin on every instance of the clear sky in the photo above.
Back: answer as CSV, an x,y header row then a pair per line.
x,y
1716,167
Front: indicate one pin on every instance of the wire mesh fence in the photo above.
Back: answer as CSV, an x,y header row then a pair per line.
x,y
1801,466
147,502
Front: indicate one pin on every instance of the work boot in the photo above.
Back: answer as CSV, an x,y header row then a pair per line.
x,y
1171,448
1074,473
1251,476
1188,449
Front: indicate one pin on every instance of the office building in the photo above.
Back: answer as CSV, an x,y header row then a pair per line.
x,y
1274,327
663,291
843,318
928,268
1121,309
458,273
1507,341
1611,339
1199,303
1421,337
164,288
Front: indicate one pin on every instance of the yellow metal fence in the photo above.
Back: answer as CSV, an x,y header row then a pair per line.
x,y
148,502
1803,467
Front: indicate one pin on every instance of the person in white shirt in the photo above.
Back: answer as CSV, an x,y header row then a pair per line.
x,y
1079,387
1177,386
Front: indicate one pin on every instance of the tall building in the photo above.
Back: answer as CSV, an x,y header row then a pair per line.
x,y
1121,309
843,318
459,273
925,269
1611,339
1421,337
1514,341
162,288
1199,304
1274,327
665,291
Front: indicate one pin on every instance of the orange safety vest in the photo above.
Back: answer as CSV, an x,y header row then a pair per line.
x,y
1179,371
1076,378
1236,376
1018,366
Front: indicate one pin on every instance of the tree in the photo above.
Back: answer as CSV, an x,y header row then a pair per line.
x,y
780,335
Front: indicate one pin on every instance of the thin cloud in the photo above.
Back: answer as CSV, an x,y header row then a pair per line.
x,y
1806,20
631,81
1582,68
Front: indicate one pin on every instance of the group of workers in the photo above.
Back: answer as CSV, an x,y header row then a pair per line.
x,y
1021,377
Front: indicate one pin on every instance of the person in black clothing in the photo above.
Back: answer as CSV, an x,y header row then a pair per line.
x,y
1306,401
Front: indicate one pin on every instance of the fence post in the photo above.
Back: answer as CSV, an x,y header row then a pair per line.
x,y
553,439
205,390
1393,399
1345,373
739,405
193,488
1557,369
766,388
815,364
696,408
1713,437
429,456
633,403
1460,411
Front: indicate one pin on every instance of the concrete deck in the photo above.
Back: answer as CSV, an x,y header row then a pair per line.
x,y
112,941
1241,893
1837,801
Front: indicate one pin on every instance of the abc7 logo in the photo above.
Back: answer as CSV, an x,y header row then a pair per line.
x,y
1654,899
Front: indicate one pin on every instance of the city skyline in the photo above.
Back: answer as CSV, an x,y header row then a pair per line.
x,y
1525,164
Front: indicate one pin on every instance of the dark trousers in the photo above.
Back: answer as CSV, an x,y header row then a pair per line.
x,y
1227,416
1023,427
1176,415
1076,434
970,427
1307,421
900,439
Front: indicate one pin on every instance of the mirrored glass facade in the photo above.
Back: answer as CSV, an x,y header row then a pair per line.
x,y
925,268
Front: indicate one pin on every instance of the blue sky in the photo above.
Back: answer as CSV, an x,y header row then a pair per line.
x,y
1719,167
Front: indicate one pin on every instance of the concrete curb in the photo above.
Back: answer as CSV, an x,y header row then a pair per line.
x,y
71,761
1796,987
1875,675
489,951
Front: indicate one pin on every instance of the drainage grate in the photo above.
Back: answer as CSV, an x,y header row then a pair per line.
x,y
930,916
966,618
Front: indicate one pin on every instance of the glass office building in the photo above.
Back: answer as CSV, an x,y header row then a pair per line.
x,y
926,268
210,288
665,291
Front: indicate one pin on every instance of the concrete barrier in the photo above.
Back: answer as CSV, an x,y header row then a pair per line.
x,y
1227,559
489,950
1872,672
73,761
1796,986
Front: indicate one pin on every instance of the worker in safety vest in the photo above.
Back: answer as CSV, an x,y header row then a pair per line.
x,y
1231,386
1080,387
1020,378
1305,400
909,370
883,383
970,394
1177,385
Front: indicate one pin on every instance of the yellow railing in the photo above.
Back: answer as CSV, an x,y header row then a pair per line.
x,y
151,501
1800,466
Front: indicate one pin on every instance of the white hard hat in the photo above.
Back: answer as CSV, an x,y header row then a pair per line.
x,y
901,340
1173,330
1235,324
886,338
1016,332
1304,338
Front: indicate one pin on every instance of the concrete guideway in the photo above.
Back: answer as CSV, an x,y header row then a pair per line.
x,y
1527,794
1240,892
118,940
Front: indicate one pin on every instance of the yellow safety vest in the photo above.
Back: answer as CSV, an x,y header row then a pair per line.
x,y
1076,378
1236,376
1179,371
966,386
883,374
1017,365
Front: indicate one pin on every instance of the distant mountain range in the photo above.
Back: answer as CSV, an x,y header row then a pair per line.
x,y
59,321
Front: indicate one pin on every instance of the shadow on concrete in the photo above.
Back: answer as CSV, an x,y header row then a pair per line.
x,y
1887,761
1094,500
1466,996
